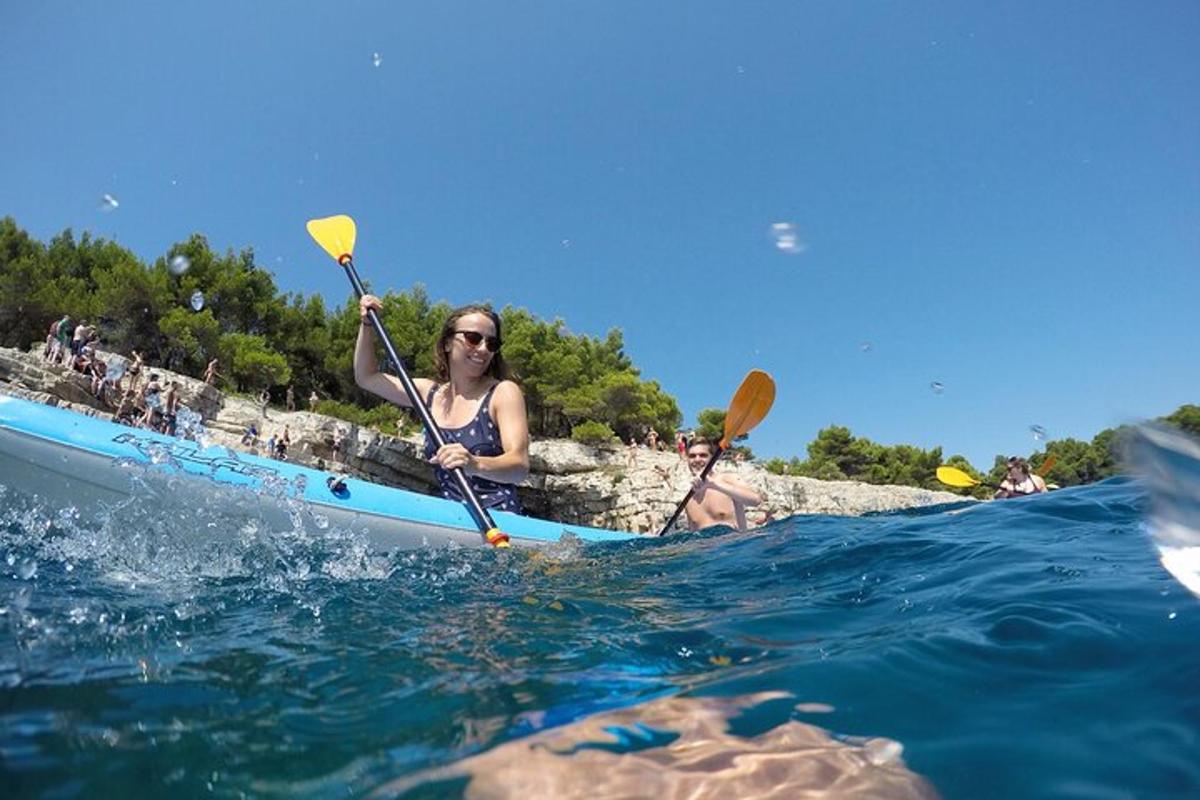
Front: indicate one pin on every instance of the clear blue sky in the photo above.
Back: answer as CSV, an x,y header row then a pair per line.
x,y
1003,197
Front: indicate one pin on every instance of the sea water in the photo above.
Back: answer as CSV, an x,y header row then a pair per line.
x,y
1025,648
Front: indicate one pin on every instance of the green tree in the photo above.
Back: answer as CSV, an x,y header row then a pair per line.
x,y
252,364
1186,418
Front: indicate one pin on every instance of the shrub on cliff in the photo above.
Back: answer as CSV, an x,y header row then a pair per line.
x,y
593,433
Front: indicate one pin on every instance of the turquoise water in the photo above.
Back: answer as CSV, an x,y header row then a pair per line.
x,y
1029,648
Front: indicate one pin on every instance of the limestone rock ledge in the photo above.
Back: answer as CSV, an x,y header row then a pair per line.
x,y
569,482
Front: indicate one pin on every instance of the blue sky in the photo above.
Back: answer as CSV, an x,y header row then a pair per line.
x,y
1003,197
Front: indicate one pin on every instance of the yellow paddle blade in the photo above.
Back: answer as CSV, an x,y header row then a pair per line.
x,y
749,405
1047,465
335,235
955,477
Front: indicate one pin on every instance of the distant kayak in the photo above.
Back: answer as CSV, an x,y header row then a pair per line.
x,y
71,459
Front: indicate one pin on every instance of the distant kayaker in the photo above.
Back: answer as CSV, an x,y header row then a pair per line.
x,y
718,499
1019,481
480,411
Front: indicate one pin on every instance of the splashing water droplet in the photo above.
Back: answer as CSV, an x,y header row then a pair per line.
x,y
114,369
938,387
787,238
27,569
108,203
1038,432
376,59
566,243
179,265
865,346
197,300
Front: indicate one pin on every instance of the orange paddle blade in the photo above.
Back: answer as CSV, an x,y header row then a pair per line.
x,y
750,404
335,235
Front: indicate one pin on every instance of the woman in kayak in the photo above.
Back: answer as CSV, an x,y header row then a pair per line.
x,y
1019,481
480,411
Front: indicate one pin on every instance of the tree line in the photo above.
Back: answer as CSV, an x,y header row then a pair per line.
x,y
268,339
575,385
836,454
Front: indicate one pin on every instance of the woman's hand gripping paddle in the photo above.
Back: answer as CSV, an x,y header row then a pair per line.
x,y
749,406
336,236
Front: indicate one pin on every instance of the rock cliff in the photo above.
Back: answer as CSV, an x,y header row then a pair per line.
x,y
610,488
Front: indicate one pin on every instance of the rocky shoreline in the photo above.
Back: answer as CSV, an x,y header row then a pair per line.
x,y
569,482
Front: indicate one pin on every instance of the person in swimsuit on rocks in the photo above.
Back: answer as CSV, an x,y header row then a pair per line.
x,y
718,499
1019,481
480,411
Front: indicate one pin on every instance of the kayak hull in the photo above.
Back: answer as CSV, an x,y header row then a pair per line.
x,y
68,459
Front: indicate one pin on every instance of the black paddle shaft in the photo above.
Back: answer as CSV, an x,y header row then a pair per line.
x,y
482,518
703,474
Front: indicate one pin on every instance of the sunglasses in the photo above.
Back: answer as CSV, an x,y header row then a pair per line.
x,y
474,338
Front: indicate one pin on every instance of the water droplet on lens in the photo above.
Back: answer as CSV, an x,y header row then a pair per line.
x,y
865,346
938,387
787,238
197,300
179,265
376,59
1038,432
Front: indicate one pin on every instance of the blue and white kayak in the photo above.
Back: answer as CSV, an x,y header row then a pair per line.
x,y
71,459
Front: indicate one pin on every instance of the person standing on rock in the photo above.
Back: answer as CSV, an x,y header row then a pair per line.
x,y
480,411
718,499
265,400
291,398
211,373
313,399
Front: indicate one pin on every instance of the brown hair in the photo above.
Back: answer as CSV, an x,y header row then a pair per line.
x,y
498,369
710,444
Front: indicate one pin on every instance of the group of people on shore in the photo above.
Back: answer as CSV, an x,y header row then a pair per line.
x,y
138,397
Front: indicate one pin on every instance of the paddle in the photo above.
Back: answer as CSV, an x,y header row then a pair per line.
x,y
1046,466
336,236
952,476
749,406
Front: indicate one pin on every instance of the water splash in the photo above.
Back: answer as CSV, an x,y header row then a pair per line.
x,y
197,300
1169,463
109,203
179,265
937,387
787,238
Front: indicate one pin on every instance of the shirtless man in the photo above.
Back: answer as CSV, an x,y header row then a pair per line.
x,y
718,499
211,373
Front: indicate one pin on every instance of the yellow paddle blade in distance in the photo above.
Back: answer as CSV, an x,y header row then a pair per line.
x,y
335,235
750,403
955,477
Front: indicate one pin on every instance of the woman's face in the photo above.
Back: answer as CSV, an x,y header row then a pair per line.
x,y
470,349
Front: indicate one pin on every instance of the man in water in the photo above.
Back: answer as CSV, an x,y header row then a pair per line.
x,y
1019,481
718,499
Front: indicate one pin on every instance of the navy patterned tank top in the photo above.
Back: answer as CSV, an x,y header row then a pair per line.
x,y
481,437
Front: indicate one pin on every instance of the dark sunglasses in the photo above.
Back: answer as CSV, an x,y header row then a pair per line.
x,y
473,338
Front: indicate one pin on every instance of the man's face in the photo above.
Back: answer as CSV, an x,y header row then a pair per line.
x,y
697,457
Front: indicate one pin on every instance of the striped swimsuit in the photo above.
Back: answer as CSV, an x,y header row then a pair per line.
x,y
481,437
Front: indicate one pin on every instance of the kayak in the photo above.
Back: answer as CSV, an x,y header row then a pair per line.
x,y
73,460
